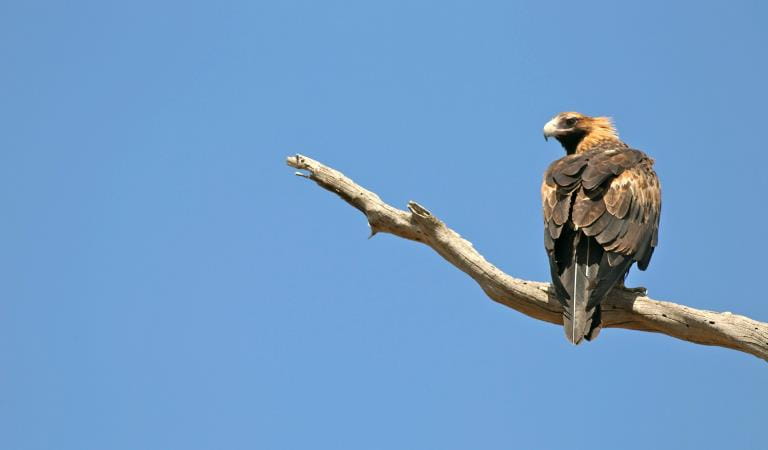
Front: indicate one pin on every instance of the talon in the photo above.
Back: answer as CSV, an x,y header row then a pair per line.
x,y
642,290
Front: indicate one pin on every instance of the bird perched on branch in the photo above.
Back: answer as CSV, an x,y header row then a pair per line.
x,y
601,214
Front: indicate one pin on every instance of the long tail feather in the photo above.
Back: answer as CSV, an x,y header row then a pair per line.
x,y
580,315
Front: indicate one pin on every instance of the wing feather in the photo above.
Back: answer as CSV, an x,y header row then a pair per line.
x,y
633,199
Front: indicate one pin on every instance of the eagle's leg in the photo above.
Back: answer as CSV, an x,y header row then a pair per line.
x,y
640,290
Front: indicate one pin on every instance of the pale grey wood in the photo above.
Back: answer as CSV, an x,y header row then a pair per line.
x,y
622,309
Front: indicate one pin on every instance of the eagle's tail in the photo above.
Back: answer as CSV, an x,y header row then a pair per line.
x,y
583,274
581,317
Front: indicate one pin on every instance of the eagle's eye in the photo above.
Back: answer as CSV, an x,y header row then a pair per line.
x,y
570,121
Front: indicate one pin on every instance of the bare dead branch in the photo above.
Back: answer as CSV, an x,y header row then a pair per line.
x,y
622,309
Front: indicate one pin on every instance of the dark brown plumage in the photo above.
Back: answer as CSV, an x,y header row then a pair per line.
x,y
601,214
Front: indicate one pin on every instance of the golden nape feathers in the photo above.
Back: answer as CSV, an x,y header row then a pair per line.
x,y
579,133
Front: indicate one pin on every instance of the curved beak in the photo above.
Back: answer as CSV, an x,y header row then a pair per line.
x,y
550,129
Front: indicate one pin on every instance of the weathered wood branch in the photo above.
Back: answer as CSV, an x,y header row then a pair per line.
x,y
622,309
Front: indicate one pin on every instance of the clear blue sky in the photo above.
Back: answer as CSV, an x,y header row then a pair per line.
x,y
167,283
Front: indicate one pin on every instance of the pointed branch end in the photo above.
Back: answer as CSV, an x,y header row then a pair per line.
x,y
297,161
374,231
302,163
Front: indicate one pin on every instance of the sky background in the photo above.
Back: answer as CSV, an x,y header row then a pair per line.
x,y
167,283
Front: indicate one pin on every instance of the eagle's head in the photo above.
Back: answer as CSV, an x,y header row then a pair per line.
x,y
573,130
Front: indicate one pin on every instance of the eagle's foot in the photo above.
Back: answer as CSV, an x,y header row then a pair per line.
x,y
640,290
